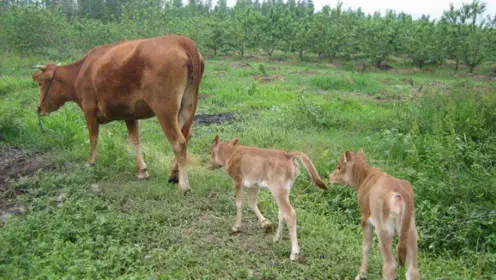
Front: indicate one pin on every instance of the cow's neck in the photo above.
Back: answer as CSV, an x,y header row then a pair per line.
x,y
361,173
66,76
226,151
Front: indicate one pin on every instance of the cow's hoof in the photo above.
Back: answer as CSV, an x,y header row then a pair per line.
x,y
174,180
86,165
186,191
143,174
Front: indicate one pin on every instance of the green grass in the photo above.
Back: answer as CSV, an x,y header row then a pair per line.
x,y
112,226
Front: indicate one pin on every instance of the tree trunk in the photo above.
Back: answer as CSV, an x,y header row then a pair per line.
x,y
457,60
301,54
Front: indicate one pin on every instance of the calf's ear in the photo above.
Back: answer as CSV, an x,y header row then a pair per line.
x,y
216,140
347,156
234,141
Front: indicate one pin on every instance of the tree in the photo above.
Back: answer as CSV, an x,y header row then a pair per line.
x,y
468,35
379,37
330,27
420,41
244,32
474,34
273,27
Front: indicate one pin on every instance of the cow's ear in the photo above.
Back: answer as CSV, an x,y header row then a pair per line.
x,y
361,153
234,141
347,156
40,66
216,140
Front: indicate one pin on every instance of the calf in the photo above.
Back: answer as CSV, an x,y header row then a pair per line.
x,y
276,170
387,204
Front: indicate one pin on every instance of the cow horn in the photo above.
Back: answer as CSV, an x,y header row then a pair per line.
x,y
41,67
58,64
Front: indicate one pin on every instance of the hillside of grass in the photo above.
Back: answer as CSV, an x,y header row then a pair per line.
x,y
435,128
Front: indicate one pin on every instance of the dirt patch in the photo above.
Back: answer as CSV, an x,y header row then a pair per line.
x,y
306,72
241,65
215,118
272,68
203,95
406,70
268,78
221,73
14,164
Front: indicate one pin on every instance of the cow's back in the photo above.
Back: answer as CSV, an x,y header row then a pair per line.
x,y
114,77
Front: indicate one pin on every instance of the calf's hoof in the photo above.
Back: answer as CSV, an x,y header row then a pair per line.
x,y
86,165
361,276
235,229
294,256
266,224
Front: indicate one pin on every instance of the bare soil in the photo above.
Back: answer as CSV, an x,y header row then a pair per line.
x,y
215,118
14,164
240,65
268,78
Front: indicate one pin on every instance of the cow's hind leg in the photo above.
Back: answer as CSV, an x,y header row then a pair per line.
x,y
185,120
133,136
169,122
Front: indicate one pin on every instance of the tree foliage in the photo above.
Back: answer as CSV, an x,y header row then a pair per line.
x,y
465,35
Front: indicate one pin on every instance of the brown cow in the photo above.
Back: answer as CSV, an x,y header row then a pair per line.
x,y
387,204
128,81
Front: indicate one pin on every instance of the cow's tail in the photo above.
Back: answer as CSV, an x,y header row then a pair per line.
x,y
314,176
196,67
406,218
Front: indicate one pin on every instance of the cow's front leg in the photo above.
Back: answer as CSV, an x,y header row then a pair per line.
x,y
92,124
133,135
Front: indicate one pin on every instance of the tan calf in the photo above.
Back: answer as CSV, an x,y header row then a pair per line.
x,y
273,169
387,204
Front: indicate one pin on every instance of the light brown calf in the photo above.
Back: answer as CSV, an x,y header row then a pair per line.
x,y
253,168
387,204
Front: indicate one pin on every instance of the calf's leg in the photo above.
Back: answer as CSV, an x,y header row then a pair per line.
x,y
252,202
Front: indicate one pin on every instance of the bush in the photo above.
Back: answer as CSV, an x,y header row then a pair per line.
x,y
31,29
446,141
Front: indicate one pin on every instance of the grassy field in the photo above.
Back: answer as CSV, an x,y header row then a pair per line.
x,y
102,223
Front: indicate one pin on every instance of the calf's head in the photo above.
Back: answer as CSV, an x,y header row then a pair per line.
x,y
50,89
217,158
343,173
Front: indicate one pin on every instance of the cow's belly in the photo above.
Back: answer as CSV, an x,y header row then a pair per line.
x,y
125,110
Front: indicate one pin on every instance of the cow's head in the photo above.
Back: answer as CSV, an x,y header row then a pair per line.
x,y
217,159
343,173
50,89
